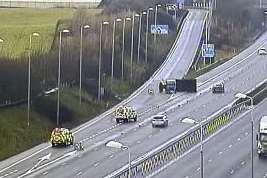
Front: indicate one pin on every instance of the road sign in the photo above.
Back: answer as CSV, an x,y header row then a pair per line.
x,y
208,50
180,3
160,29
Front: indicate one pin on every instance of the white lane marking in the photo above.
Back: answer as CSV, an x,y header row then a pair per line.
x,y
44,173
96,164
220,152
111,156
79,173
17,162
51,162
232,171
46,157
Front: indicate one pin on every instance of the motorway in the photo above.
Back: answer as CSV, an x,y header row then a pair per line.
x,y
241,74
104,126
227,154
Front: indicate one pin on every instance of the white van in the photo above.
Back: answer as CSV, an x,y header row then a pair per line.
x,y
262,137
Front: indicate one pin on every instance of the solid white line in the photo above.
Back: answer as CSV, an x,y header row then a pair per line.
x,y
33,154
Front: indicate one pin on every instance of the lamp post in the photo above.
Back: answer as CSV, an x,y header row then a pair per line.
x,y
59,71
113,47
132,44
147,17
192,121
29,77
118,145
139,34
1,41
156,16
81,58
243,96
100,59
206,36
123,41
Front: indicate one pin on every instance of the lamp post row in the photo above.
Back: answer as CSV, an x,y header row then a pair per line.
x,y
82,28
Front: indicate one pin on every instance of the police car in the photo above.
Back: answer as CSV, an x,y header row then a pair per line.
x,y
61,137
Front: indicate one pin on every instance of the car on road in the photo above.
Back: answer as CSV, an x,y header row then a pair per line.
x,y
218,88
61,137
159,120
262,51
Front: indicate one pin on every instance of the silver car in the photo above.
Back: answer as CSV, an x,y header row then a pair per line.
x,y
159,121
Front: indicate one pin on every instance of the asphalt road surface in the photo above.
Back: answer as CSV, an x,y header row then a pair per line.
x,y
227,154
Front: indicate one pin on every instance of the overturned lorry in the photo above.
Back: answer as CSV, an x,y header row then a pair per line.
x,y
171,86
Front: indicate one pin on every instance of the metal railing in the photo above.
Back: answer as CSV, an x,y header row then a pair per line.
x,y
179,145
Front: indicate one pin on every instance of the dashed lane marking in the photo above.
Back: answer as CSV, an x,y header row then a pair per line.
x,y
232,171
79,173
96,164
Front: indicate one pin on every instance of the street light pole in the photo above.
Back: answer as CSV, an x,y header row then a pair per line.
x,y
100,60
113,48
123,41
252,135
132,43
132,40
192,121
118,145
240,95
59,72
1,41
122,52
139,35
29,78
156,16
201,152
147,17
81,58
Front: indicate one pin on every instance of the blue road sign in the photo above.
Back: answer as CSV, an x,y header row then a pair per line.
x,y
160,29
208,50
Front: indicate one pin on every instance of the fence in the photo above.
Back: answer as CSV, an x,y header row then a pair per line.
x,y
179,146
50,3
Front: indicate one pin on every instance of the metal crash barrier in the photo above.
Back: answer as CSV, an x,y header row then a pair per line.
x,y
180,145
